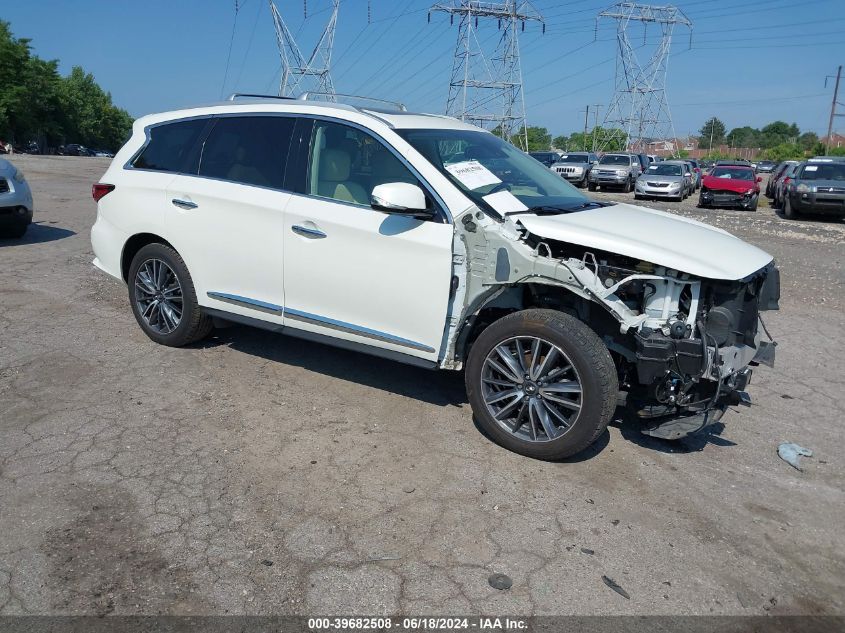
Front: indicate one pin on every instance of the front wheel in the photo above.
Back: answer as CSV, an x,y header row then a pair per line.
x,y
541,383
591,186
626,188
163,298
788,211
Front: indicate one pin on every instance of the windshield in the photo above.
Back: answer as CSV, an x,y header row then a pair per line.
x,y
481,165
573,158
662,169
829,171
733,173
615,159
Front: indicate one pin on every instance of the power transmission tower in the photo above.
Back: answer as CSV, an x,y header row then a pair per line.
x,y
485,88
833,104
639,106
298,73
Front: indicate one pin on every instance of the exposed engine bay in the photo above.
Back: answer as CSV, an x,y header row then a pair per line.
x,y
683,344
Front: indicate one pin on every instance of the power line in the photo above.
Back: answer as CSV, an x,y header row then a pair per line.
x,y
229,54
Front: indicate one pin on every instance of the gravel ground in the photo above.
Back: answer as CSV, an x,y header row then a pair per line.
x,y
261,474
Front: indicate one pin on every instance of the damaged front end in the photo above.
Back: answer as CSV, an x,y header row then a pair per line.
x,y
684,345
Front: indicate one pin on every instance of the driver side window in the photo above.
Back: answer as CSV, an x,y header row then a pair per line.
x,y
346,164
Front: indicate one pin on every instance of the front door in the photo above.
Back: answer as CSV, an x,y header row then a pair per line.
x,y
355,273
228,220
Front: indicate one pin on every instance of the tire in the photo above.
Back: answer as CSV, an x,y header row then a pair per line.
x,y
591,186
628,186
753,205
161,326
702,204
14,232
637,196
788,212
581,359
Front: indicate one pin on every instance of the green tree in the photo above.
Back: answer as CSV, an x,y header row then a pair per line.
x,y
561,142
745,136
808,140
37,103
784,151
778,133
713,129
539,139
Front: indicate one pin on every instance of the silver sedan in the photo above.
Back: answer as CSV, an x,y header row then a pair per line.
x,y
15,201
664,180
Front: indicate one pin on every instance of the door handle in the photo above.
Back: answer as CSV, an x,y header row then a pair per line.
x,y
307,231
184,204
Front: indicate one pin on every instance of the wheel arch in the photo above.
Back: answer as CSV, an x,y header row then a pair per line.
x,y
135,244
500,301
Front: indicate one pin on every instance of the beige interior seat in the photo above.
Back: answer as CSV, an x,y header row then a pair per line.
x,y
333,178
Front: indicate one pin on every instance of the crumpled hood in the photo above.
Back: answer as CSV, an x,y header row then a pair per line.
x,y
728,184
653,236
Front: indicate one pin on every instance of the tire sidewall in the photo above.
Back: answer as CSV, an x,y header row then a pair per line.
x,y
182,334
593,407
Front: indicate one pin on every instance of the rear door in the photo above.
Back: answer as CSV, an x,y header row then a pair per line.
x,y
355,273
227,220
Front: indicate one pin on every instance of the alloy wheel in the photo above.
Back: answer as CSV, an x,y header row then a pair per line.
x,y
531,388
158,295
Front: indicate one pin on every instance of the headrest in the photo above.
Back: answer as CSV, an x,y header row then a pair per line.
x,y
334,165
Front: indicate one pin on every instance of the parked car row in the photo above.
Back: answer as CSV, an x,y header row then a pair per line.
x,y
814,186
74,149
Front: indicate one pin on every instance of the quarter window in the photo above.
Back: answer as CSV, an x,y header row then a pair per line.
x,y
251,150
346,164
170,147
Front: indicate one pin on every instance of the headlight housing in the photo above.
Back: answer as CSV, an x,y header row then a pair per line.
x,y
621,172
18,176
802,188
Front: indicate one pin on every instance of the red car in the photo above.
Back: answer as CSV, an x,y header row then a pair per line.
x,y
730,186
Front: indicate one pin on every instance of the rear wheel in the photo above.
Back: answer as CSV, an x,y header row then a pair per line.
x,y
163,298
541,383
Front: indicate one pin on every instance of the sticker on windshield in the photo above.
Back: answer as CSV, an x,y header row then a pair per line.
x,y
472,174
652,167
504,202
811,168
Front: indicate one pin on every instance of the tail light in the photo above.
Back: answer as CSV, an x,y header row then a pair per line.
x,y
98,190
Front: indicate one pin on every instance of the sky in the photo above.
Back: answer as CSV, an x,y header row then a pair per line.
x,y
749,62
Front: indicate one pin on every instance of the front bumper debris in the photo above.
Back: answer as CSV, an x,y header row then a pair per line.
x,y
726,198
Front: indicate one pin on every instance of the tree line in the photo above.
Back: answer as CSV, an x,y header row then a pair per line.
x,y
38,104
777,140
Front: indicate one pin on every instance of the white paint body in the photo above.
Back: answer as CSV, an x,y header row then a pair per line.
x,y
371,278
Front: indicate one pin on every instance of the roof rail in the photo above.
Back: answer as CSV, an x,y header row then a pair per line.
x,y
315,96
247,95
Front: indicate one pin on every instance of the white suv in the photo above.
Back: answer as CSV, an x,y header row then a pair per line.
x,y
430,241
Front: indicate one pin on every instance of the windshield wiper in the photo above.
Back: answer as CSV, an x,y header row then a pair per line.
x,y
547,209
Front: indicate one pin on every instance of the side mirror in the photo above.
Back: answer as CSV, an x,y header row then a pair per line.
x,y
759,179
400,198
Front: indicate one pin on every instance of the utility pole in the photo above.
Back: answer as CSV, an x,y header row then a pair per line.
x,y
595,127
833,105
485,87
586,122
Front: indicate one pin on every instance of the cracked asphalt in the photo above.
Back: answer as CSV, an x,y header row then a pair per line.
x,y
259,474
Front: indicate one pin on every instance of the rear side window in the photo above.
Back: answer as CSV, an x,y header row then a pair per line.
x,y
170,147
251,150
